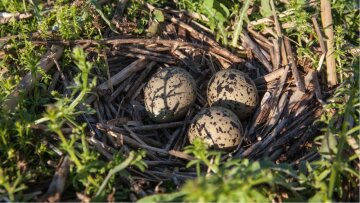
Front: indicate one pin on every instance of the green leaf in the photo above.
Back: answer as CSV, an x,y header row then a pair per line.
x,y
353,130
221,11
318,197
255,166
208,4
265,8
192,162
239,23
328,145
324,174
159,16
115,170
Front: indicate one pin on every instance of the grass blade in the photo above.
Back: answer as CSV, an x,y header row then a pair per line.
x,y
239,23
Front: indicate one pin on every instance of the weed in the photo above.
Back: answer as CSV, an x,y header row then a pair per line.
x,y
137,12
14,6
338,169
236,180
24,154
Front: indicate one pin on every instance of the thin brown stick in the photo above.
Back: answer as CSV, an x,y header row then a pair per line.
x,y
315,82
121,88
264,142
143,56
283,53
279,33
139,80
276,112
147,52
321,61
327,23
274,156
124,73
57,184
141,128
272,57
308,134
294,70
99,112
181,155
294,133
318,33
311,156
277,53
298,95
269,20
276,20
262,115
206,39
125,139
304,104
115,42
269,77
134,135
260,37
186,60
251,44
173,136
158,126
101,147
250,128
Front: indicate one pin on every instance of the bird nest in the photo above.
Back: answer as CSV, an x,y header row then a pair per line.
x,y
281,128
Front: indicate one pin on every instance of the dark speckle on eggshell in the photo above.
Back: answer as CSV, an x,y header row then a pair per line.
x,y
234,90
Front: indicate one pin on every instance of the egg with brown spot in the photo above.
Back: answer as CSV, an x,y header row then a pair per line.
x,y
218,127
234,90
169,94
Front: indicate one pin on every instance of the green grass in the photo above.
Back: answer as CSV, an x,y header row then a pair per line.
x,y
24,152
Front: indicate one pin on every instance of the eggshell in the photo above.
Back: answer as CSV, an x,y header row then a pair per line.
x,y
169,94
234,90
216,126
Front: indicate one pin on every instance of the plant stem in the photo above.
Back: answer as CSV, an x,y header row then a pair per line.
x,y
327,23
239,23
69,149
117,169
77,100
338,160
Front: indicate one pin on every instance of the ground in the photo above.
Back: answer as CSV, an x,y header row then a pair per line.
x,y
74,127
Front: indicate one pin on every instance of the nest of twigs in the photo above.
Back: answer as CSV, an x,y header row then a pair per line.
x,y
281,128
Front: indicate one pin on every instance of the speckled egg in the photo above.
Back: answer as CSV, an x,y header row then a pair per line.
x,y
218,127
234,90
169,94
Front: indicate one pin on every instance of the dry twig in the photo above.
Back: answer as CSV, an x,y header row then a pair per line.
x,y
57,184
327,23
294,70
